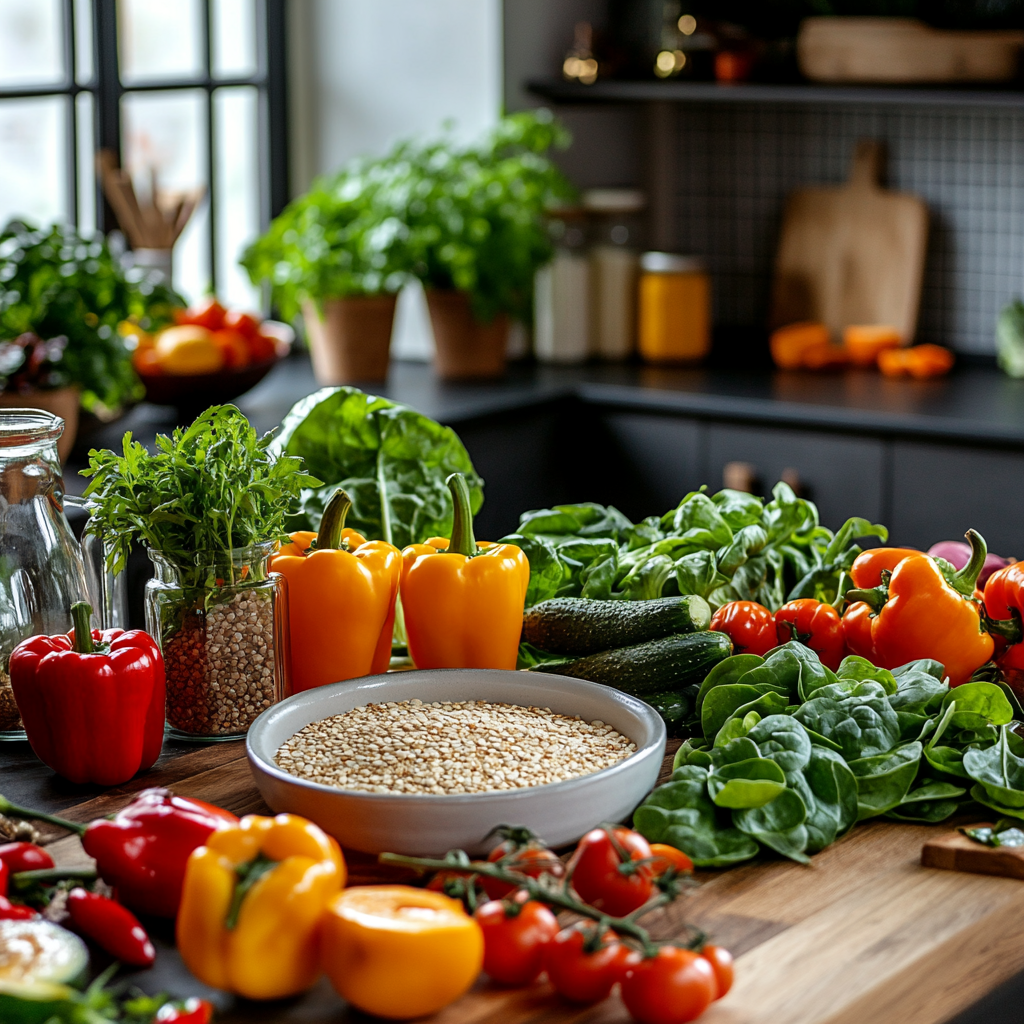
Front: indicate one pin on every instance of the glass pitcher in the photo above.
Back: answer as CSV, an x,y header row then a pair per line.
x,y
41,568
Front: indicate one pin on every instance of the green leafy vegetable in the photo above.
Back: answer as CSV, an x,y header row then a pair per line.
x,y
206,490
392,461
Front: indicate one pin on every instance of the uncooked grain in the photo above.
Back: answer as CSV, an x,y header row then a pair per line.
x,y
449,747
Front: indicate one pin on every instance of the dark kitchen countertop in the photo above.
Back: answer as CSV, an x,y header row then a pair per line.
x,y
974,405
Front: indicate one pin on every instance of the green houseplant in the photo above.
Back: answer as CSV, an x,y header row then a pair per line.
x,y
62,298
466,220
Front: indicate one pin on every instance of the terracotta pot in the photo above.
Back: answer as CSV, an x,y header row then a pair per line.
x,y
352,342
62,402
464,347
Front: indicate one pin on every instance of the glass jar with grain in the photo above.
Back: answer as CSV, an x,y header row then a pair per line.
x,y
222,625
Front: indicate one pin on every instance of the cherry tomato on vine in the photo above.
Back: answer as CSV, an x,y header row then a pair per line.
x,y
749,625
24,857
672,987
606,878
816,624
581,971
514,939
721,963
666,857
532,860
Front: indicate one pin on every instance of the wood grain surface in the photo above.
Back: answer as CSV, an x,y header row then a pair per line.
x,y
865,933
953,851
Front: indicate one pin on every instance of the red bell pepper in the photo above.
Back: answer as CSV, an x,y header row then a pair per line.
x,y
92,703
1004,608
111,926
814,624
142,851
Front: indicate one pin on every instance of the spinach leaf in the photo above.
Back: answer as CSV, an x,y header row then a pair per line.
x,y
861,722
694,752
743,784
727,672
738,508
978,705
927,665
682,814
725,701
778,825
391,460
735,728
784,740
586,519
918,691
999,770
592,565
982,795
697,573
740,748
829,791
697,521
861,669
929,803
549,576
883,780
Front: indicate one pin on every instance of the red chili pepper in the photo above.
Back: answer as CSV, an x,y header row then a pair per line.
x,y
749,625
15,911
143,850
192,1011
5,877
92,703
111,926
814,624
24,857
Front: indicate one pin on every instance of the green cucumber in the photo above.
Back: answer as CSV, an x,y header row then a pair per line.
x,y
654,667
580,625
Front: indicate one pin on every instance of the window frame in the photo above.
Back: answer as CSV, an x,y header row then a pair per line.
x,y
107,91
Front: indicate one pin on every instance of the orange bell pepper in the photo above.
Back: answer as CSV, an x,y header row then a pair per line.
x,y
863,342
921,361
341,600
463,601
918,612
868,566
790,343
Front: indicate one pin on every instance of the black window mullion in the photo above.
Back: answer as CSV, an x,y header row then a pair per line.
x,y
274,143
211,190
107,111
71,112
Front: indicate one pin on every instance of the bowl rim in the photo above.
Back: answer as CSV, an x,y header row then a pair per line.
x,y
639,707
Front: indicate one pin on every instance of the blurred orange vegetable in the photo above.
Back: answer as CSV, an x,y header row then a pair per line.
x,y
863,342
921,361
790,344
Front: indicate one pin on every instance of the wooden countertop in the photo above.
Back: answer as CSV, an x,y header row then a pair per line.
x,y
865,934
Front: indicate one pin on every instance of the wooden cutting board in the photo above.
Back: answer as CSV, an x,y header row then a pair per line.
x,y
853,254
955,852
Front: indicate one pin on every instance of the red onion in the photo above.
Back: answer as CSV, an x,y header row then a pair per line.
x,y
958,554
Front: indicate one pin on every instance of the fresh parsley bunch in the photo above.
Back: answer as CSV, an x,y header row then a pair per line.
x,y
203,492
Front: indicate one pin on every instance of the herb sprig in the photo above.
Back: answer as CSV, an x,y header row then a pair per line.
x,y
203,492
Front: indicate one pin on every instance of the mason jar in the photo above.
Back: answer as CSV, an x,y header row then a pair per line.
x,y
41,570
222,624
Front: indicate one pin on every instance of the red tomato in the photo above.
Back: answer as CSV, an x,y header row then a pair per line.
x,y
666,857
532,860
580,975
234,346
815,624
721,963
514,945
247,324
209,314
24,857
15,911
192,1011
262,348
606,879
749,625
672,987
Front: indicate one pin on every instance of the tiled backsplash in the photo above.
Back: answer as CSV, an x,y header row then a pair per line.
x,y
736,165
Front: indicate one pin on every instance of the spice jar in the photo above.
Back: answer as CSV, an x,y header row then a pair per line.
x,y
675,308
561,329
222,626
41,569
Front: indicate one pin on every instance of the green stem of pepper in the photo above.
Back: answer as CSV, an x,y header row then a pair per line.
x,y
333,522
463,542
14,811
26,879
874,596
553,895
967,578
1011,629
81,615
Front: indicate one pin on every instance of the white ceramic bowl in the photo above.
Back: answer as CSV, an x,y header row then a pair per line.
x,y
430,825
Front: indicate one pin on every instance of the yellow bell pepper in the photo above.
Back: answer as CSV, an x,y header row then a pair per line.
x,y
341,600
253,902
463,601
398,952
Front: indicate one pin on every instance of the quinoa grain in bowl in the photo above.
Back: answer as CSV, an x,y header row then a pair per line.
x,y
449,747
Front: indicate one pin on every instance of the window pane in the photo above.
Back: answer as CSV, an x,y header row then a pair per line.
x,y
83,41
160,40
33,160
237,170
234,38
165,133
86,166
31,43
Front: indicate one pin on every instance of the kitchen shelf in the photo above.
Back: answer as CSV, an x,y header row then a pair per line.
x,y
557,91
